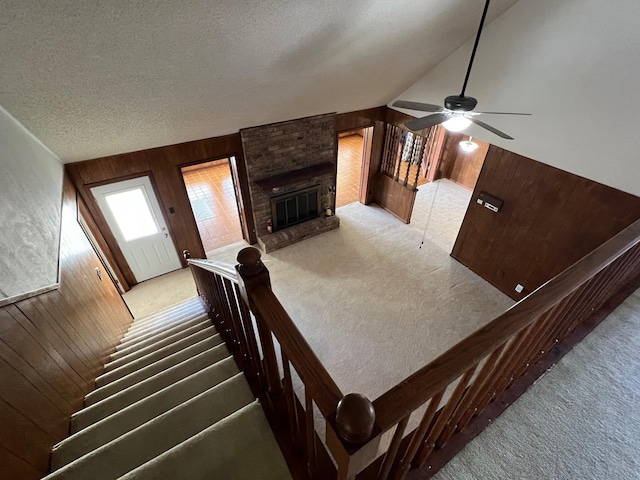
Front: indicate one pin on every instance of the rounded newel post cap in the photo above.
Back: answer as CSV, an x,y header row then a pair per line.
x,y
249,262
355,417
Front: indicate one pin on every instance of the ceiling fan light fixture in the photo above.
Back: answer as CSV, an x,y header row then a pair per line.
x,y
456,123
468,145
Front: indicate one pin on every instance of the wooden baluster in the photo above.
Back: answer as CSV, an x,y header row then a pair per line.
x,y
485,372
420,160
226,312
563,318
505,363
400,471
534,332
218,315
429,444
387,150
292,407
311,434
398,154
392,452
226,332
560,315
414,142
236,325
539,328
615,277
482,387
255,275
254,354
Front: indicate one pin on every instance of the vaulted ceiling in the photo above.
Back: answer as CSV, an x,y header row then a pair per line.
x,y
92,78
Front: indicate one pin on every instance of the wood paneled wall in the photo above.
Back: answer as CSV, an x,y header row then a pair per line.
x,y
52,347
163,165
550,219
371,117
460,166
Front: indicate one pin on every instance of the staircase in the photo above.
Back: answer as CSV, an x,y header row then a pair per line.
x,y
171,404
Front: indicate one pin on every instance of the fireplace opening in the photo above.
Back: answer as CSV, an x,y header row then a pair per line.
x,y
295,207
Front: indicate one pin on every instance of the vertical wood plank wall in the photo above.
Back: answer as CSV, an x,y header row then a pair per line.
x,y
550,219
52,347
460,166
163,164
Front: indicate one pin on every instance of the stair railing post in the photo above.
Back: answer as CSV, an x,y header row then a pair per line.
x,y
252,275
352,435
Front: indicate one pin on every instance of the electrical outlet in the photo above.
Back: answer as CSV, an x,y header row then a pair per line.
x,y
519,288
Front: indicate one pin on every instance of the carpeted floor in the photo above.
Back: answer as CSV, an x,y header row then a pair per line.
x,y
373,305
152,296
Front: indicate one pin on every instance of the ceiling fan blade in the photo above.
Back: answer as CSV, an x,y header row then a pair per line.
x,y
428,121
490,128
503,113
422,107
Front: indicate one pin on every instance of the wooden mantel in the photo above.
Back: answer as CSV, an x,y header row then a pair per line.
x,y
269,183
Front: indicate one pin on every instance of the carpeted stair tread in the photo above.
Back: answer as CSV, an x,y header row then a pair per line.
x,y
164,317
140,412
240,447
138,363
167,370
160,434
179,310
137,351
136,331
159,332
142,444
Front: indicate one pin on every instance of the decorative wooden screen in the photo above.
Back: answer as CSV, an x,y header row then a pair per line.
x,y
404,155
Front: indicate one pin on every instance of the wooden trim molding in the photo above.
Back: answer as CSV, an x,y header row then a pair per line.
x,y
23,296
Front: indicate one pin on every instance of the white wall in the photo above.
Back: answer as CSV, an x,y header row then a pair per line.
x,y
30,202
574,64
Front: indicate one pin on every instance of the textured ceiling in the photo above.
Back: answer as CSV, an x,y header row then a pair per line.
x,y
92,78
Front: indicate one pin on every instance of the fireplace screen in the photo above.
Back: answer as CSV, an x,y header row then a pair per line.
x,y
295,207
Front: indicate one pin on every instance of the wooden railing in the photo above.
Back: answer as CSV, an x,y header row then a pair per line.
x,y
455,387
473,373
257,329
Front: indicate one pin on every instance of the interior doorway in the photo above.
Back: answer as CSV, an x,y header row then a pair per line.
x,y
354,148
440,205
213,197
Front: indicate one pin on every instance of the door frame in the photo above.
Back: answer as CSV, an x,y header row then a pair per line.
x,y
243,204
367,144
104,229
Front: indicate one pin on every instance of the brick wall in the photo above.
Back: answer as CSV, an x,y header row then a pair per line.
x,y
284,147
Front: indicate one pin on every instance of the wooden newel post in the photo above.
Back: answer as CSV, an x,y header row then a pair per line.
x,y
353,438
253,276
355,418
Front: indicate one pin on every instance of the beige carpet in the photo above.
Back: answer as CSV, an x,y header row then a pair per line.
x,y
372,305
154,295
438,211
581,421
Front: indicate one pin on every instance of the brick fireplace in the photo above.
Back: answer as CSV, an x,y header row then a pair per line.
x,y
292,178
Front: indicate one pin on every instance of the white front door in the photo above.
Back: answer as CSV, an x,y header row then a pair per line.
x,y
133,213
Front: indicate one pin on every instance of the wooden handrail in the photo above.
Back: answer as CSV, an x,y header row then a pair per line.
x,y
398,402
315,377
223,269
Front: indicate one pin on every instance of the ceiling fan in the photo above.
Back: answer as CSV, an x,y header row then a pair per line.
x,y
458,109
